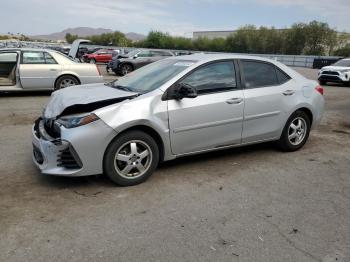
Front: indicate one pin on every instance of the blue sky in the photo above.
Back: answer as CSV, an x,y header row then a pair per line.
x,y
178,17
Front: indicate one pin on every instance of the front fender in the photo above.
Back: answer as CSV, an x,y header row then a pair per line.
x,y
147,110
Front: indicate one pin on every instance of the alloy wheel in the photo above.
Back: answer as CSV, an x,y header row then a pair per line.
x,y
133,159
66,83
297,131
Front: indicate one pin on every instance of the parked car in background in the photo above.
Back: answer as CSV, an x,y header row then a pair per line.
x,y
135,59
42,69
61,49
339,72
174,107
100,56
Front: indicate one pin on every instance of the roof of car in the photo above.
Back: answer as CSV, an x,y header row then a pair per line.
x,y
25,49
203,57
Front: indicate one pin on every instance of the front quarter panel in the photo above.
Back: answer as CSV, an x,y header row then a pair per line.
x,y
146,110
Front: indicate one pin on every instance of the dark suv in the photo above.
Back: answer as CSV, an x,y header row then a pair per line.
x,y
124,64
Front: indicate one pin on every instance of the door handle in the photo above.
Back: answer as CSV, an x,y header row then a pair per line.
x,y
235,100
53,69
289,92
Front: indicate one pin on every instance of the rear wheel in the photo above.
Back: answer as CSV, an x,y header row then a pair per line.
x,y
66,81
296,132
131,158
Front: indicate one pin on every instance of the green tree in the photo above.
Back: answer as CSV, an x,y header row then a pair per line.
x,y
70,38
4,37
295,39
343,51
320,38
116,39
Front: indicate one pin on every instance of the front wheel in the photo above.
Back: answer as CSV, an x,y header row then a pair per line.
x,y
131,158
296,132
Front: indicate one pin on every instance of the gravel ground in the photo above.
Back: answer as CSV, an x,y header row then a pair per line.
x,y
246,204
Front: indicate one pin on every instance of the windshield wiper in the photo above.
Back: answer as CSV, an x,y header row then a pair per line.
x,y
109,84
124,88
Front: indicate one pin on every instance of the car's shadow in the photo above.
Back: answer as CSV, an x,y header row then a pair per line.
x,y
24,93
102,181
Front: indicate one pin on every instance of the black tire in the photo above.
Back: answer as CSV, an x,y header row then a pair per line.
x,y
125,69
69,80
111,164
284,142
322,82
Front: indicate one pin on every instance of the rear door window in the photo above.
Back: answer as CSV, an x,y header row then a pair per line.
x,y
145,53
160,53
259,74
49,59
282,76
33,58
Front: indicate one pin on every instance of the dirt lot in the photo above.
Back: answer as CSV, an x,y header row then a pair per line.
x,y
248,204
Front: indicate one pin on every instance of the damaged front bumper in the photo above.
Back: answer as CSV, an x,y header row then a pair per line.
x,y
70,152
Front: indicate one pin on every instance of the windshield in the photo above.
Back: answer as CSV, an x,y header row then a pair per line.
x,y
345,63
132,53
152,76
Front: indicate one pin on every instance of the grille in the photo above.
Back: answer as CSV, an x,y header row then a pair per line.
x,y
69,159
330,73
330,78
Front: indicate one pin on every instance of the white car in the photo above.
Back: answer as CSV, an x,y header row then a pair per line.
x,y
24,69
172,108
337,73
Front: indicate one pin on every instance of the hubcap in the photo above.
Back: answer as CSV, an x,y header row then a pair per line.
x,y
133,159
297,131
66,83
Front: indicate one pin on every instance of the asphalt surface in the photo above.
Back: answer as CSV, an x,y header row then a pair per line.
x,y
246,204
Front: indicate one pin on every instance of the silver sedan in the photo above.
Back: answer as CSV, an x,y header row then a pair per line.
x,y
173,108
27,69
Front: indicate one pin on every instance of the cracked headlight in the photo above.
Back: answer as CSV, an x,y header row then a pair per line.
x,y
75,121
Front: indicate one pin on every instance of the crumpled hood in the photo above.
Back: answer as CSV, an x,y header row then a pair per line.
x,y
335,68
84,97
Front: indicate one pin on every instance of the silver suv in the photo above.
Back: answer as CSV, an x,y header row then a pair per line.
x,y
171,108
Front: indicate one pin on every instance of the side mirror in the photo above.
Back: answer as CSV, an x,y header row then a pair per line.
x,y
135,56
184,91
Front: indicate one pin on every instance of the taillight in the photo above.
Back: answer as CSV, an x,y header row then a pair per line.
x,y
319,89
98,70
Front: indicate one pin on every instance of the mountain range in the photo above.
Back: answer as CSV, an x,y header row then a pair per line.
x,y
84,31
